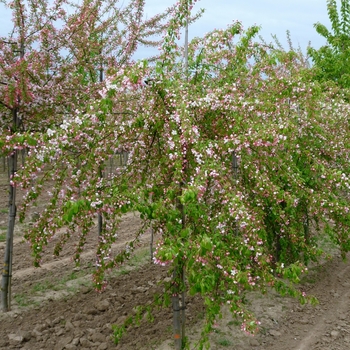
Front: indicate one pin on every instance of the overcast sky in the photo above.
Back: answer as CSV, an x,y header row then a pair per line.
x,y
274,16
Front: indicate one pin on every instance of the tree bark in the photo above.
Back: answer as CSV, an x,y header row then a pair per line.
x,y
7,270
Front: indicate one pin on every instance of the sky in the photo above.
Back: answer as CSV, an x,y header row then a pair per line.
x,y
274,17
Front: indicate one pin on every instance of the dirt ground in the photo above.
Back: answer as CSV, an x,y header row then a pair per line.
x,y
55,307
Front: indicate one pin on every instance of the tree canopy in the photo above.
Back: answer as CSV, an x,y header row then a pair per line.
x,y
332,61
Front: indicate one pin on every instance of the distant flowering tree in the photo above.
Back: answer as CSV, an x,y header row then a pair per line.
x,y
233,161
51,64
63,45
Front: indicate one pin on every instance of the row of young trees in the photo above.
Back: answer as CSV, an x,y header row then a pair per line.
x,y
238,157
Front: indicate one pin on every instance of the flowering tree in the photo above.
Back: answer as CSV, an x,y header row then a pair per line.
x,y
51,65
232,160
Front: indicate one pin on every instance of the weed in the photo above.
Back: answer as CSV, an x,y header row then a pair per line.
x,y
140,258
234,323
2,237
263,330
124,271
42,287
36,304
72,276
309,279
90,265
4,211
245,301
86,284
21,300
224,342
72,289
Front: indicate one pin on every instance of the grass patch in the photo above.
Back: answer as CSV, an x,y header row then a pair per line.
x,y
2,237
4,211
72,289
46,285
42,286
235,323
224,342
140,258
22,300
72,276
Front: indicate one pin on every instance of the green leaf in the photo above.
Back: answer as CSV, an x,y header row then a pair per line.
x,y
206,243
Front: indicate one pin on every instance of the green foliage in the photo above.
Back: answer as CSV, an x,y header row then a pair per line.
x,y
22,300
332,61
224,342
72,208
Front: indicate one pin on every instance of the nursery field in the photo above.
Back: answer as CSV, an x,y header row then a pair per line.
x,y
234,150
56,307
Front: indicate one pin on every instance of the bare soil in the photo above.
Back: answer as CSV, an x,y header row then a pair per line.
x,y
55,307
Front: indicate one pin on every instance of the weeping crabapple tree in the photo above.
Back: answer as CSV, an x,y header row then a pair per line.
x,y
230,229
51,64
237,229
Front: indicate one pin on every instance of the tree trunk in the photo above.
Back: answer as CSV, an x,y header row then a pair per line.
x,y
100,174
179,311
7,270
179,315
176,318
13,160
